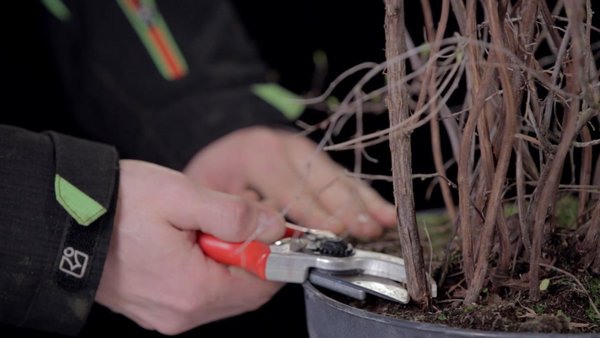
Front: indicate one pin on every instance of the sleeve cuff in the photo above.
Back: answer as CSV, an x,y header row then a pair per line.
x,y
86,185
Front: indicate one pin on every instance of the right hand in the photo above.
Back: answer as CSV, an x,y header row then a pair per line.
x,y
156,274
275,163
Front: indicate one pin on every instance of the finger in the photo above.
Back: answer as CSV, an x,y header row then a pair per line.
x,y
225,216
344,198
305,209
379,208
280,181
344,202
298,204
302,207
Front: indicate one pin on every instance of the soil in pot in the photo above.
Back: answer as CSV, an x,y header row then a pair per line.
x,y
565,306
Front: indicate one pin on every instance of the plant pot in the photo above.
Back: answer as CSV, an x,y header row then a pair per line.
x,y
328,318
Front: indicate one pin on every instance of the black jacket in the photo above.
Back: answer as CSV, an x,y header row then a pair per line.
x,y
97,73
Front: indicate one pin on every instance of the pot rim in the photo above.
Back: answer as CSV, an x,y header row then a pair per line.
x,y
425,327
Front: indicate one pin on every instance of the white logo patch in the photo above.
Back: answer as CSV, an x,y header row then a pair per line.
x,y
73,262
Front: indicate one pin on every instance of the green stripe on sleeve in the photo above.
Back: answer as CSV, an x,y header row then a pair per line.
x,y
58,9
80,206
288,103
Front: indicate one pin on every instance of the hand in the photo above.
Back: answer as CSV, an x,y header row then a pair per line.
x,y
156,274
288,171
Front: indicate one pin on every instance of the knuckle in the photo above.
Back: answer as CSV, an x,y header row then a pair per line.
x,y
269,141
182,318
166,329
177,185
306,143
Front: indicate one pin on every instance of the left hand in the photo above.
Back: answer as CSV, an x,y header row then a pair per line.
x,y
285,170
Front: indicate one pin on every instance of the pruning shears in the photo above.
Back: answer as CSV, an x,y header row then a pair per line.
x,y
320,257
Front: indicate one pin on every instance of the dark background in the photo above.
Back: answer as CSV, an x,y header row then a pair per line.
x,y
286,34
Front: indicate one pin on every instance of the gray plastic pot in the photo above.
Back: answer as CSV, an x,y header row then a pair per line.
x,y
328,318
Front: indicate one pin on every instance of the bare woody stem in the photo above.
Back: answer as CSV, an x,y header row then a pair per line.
x,y
429,83
464,167
545,206
397,102
585,172
510,124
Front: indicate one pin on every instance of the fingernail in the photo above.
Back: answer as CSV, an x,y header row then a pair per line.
x,y
390,211
334,225
390,208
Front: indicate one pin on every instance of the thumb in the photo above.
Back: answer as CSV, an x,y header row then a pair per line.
x,y
228,217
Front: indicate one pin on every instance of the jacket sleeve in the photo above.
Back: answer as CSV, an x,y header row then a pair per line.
x,y
57,203
159,79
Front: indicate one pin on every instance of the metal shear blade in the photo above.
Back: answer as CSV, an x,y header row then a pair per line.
x,y
358,286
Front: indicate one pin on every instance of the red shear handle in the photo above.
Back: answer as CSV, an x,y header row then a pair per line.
x,y
250,256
